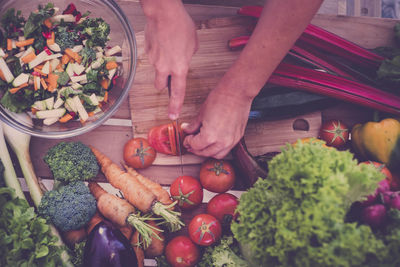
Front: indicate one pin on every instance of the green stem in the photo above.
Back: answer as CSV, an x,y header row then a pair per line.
x,y
172,218
145,230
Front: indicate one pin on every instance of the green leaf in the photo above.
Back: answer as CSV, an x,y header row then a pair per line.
x,y
27,243
63,78
42,252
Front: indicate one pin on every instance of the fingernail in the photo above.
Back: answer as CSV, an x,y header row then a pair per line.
x,y
173,116
184,125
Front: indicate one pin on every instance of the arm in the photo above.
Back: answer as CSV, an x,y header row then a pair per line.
x,y
223,116
171,41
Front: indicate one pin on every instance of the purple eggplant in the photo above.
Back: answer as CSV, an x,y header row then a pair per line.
x,y
106,246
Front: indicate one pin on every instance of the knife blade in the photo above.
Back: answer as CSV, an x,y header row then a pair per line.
x,y
177,126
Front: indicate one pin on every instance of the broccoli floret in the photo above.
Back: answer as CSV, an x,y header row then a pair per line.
x,y
97,31
88,56
68,207
226,253
71,161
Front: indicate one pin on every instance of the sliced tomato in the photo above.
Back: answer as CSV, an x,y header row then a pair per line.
x,y
163,138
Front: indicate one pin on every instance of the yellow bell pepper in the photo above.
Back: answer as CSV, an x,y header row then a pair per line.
x,y
378,141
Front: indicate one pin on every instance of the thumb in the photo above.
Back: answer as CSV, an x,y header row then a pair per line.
x,y
192,127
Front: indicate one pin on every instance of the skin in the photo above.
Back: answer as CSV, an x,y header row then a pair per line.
x,y
223,116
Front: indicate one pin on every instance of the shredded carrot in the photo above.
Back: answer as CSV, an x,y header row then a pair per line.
x,y
25,42
29,57
104,83
35,85
91,114
39,71
2,76
73,55
59,67
52,81
16,89
9,44
105,97
43,83
34,110
51,41
65,118
47,23
39,67
65,59
111,65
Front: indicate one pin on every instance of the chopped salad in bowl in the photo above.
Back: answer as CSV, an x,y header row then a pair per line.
x,y
56,65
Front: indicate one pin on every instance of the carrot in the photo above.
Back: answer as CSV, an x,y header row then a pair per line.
x,y
161,194
2,76
24,42
93,222
47,23
34,110
59,68
91,114
52,39
65,59
126,231
52,81
111,65
74,236
136,193
9,44
16,89
157,245
43,83
39,71
135,243
120,212
29,57
105,97
73,55
104,83
67,117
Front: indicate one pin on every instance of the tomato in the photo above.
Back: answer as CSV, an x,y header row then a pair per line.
x,y
335,133
182,252
217,175
164,138
204,229
138,153
222,207
187,191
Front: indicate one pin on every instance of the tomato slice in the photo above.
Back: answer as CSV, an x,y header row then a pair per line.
x,y
164,138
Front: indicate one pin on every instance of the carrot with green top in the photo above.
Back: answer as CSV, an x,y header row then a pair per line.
x,y
120,212
26,42
111,65
16,89
161,194
136,193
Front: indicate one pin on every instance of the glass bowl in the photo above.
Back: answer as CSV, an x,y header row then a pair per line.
x,y
121,34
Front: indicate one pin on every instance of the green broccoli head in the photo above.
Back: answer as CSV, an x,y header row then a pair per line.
x,y
71,161
97,31
68,207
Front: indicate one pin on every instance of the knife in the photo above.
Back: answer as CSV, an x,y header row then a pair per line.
x,y
177,126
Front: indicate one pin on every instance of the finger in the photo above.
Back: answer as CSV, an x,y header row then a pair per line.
x,y
221,154
161,79
198,142
178,87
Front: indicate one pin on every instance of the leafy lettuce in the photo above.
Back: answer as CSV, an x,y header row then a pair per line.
x,y
296,217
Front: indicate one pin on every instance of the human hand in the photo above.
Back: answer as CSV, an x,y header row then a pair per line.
x,y
171,41
219,125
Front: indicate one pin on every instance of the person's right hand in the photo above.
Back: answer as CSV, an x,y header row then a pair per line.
x,y
171,41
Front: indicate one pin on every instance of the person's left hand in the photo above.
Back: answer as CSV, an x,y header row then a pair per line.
x,y
219,125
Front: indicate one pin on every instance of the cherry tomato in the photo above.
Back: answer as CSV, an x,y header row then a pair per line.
x,y
138,153
204,229
217,175
163,138
335,133
187,191
222,207
182,252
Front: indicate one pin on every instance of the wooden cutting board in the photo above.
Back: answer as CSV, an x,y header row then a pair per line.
x,y
149,106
